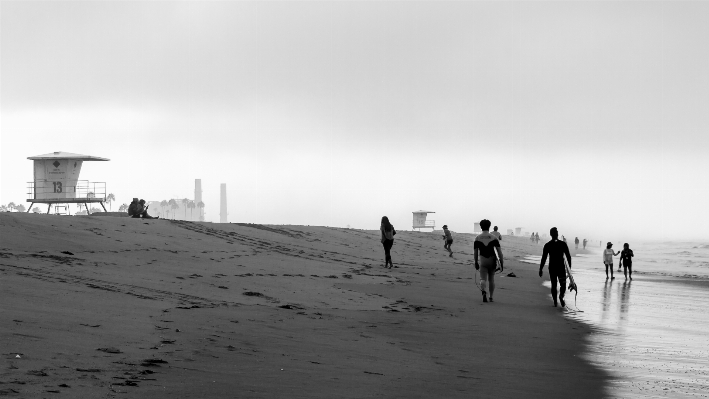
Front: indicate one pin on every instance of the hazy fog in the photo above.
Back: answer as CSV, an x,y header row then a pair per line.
x,y
589,116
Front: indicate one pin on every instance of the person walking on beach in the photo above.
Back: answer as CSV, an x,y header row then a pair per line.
x,y
626,256
497,234
484,248
449,240
576,243
584,243
388,233
537,238
608,255
556,250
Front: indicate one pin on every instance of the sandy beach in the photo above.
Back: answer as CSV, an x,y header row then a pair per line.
x,y
120,307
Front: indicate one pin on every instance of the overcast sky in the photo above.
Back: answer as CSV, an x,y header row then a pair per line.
x,y
589,116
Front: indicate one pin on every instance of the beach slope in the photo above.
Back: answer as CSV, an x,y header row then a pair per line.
x,y
103,307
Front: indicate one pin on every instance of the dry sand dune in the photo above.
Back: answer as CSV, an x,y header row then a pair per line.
x,y
170,309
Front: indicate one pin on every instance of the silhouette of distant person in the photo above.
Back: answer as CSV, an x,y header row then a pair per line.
x,y
626,256
484,249
496,233
388,233
556,250
584,243
137,209
537,238
576,243
449,240
608,255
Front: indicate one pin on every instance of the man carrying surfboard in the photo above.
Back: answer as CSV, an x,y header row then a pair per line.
x,y
556,250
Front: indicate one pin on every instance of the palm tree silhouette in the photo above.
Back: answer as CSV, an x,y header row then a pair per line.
x,y
163,204
173,205
191,205
200,205
185,201
110,198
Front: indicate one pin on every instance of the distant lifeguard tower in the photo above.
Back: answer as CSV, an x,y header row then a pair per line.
x,y
476,228
56,181
420,221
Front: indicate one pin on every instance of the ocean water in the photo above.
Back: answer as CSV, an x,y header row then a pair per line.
x,y
651,333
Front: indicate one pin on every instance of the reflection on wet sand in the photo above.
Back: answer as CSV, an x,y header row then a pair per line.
x,y
624,299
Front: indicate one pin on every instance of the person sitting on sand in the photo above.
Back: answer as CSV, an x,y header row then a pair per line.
x,y
626,256
388,233
485,245
137,209
608,255
556,250
497,234
449,239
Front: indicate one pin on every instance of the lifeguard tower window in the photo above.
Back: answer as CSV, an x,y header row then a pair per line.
x,y
420,221
56,181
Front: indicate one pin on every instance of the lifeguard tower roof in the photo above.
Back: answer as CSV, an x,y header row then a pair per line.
x,y
67,155
423,212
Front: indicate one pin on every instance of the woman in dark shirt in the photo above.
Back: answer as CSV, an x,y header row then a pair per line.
x,y
388,232
626,256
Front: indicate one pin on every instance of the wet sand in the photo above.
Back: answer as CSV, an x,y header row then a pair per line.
x,y
648,331
651,332
165,309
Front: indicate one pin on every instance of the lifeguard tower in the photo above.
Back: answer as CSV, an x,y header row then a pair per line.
x,y
56,181
476,228
420,221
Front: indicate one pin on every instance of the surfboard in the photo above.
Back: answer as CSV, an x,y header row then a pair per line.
x,y
572,283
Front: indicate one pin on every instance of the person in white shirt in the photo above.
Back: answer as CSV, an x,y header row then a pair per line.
x,y
608,255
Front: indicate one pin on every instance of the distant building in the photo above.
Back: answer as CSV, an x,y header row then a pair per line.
x,y
222,204
198,199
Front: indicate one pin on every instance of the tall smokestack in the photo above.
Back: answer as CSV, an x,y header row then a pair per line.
x,y
198,198
222,205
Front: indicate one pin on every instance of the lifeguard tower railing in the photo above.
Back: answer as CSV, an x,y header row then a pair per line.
x,y
428,224
53,192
